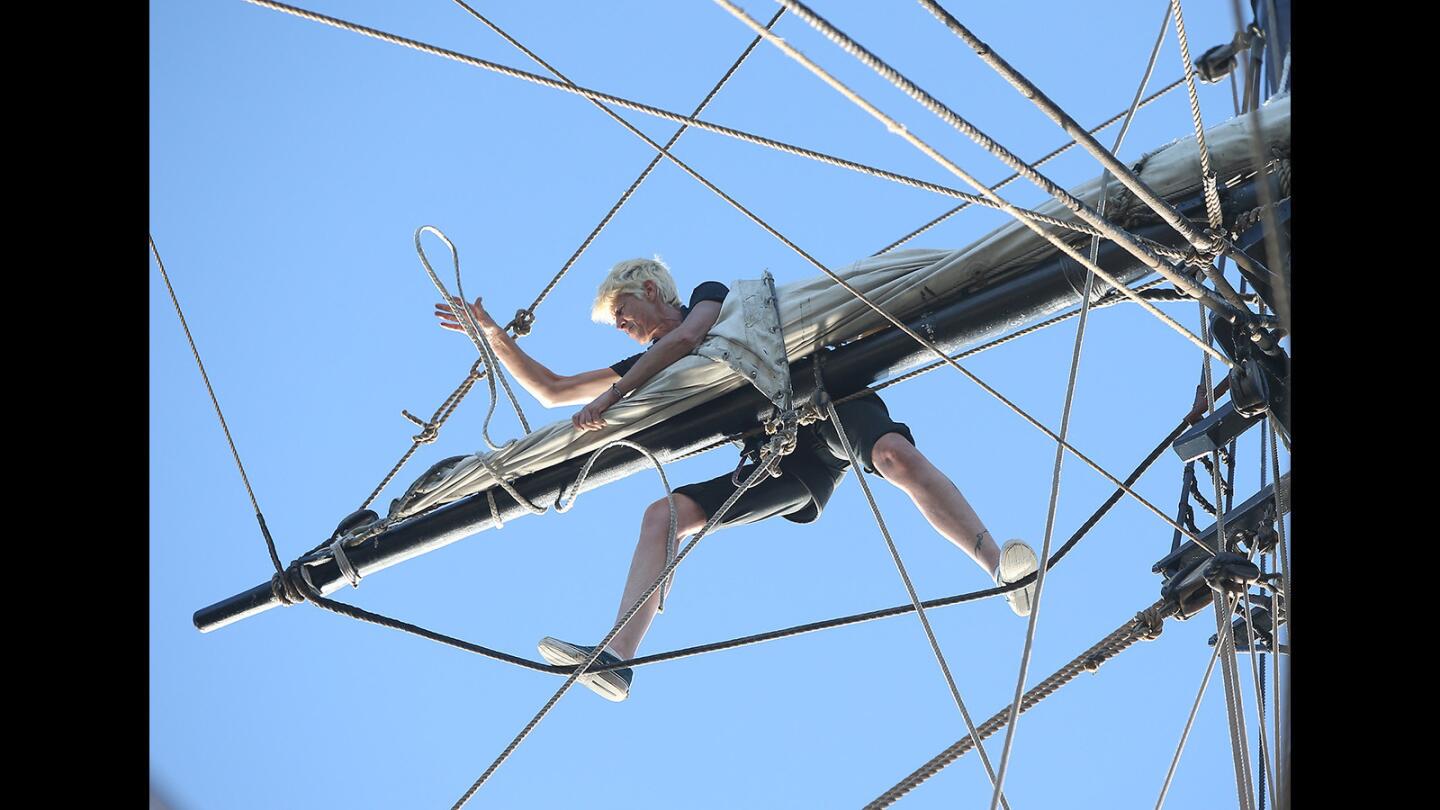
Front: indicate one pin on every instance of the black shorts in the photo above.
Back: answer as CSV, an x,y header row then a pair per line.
x,y
809,475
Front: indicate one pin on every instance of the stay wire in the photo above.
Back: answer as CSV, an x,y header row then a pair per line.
x,y
1054,501
762,469
1233,701
849,288
655,161
1075,206
259,516
1037,163
524,318
1053,111
657,112
909,588
863,299
1185,732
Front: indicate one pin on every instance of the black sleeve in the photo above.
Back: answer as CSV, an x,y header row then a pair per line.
x,y
709,291
626,364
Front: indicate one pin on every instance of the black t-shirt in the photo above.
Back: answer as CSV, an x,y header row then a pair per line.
x,y
815,466
708,291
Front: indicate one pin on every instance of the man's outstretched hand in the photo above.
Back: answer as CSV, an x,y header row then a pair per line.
x,y
449,315
591,416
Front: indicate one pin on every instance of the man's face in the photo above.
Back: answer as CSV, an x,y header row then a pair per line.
x,y
641,318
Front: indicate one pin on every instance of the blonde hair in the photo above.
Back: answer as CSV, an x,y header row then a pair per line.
x,y
628,278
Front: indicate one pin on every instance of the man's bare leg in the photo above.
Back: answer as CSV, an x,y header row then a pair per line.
x,y
937,498
646,565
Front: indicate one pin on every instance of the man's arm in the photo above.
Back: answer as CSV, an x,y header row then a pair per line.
x,y
551,389
675,345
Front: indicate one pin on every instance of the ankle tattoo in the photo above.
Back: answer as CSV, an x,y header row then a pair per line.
x,y
980,538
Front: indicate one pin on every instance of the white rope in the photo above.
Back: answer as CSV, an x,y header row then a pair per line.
x,y
763,469
1185,733
899,129
1224,640
1085,298
337,549
995,779
466,319
1207,174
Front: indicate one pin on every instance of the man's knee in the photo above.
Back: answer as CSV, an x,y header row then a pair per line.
x,y
894,457
688,514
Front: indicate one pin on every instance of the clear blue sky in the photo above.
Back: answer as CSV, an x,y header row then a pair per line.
x,y
290,165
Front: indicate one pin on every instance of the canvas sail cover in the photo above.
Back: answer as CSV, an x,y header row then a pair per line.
x,y
816,312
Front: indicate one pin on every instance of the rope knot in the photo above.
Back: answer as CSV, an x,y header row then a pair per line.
x,y
782,430
524,319
1151,624
284,589
429,430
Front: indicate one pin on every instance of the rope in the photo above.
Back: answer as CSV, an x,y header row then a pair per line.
x,y
1106,300
431,429
524,319
657,112
1054,112
909,586
1233,709
1085,298
1014,176
260,517
280,586
685,167
861,297
655,161
467,320
1146,625
1185,732
1207,174
762,469
1079,208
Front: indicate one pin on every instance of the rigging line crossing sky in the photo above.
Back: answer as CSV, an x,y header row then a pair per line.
x,y
1079,208
258,84
844,284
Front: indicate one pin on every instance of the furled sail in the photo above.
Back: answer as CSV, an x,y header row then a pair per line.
x,y
817,312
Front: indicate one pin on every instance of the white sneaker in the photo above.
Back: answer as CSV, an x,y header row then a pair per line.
x,y
613,685
1018,560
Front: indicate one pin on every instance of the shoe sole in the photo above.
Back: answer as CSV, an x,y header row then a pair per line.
x,y
1017,561
605,684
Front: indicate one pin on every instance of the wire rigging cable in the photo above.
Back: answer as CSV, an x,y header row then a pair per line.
x,y
803,254
898,129
295,582
259,516
905,578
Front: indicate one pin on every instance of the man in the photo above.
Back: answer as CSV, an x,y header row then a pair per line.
x,y
639,297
